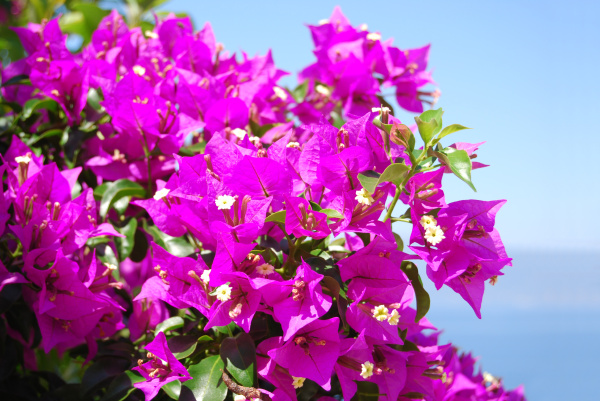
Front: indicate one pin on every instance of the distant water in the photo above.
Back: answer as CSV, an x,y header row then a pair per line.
x,y
540,325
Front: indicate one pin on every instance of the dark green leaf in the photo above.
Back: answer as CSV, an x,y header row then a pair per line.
x,y
366,391
184,346
277,217
423,301
53,133
172,323
315,206
36,104
342,303
369,180
122,385
17,80
206,383
239,354
117,190
102,370
125,244
399,242
121,205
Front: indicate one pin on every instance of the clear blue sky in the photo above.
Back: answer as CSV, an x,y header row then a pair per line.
x,y
523,74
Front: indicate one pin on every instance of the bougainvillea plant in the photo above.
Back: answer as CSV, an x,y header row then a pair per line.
x,y
176,224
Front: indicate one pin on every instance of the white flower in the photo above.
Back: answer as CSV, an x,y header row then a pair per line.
x,y
265,269
151,34
239,133
293,145
224,293
224,202
373,36
428,221
363,27
239,397
366,370
205,276
380,313
139,70
161,193
23,159
323,90
380,109
280,93
364,197
298,381
394,317
434,235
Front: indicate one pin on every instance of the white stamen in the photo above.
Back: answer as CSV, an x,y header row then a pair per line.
x,y
224,293
298,381
434,235
224,202
323,90
364,197
394,317
23,159
428,221
161,193
374,36
380,109
239,133
139,70
280,93
366,370
205,276
265,269
380,313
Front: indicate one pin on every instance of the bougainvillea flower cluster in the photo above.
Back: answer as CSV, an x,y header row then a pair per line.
x,y
176,220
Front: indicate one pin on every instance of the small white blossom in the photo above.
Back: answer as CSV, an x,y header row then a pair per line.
x,y
239,397
394,317
205,276
380,313
265,269
363,27
373,36
364,197
239,133
434,235
224,202
428,221
380,109
23,159
280,93
366,370
293,145
224,293
323,90
298,381
151,34
161,193
139,70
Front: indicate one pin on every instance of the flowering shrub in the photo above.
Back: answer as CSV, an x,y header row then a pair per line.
x,y
177,222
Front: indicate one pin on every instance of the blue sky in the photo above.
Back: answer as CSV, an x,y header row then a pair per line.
x,y
523,74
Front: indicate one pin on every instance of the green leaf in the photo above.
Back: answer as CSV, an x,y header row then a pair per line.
x,y
277,217
450,130
239,354
429,123
460,164
125,245
36,104
315,206
172,323
369,180
206,383
17,80
423,301
395,173
117,190
122,385
299,93
184,346
366,391
173,389
46,135
177,246
332,214
101,370
399,242
121,205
